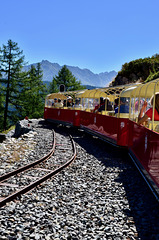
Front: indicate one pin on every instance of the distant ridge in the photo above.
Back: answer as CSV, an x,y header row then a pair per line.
x,y
84,75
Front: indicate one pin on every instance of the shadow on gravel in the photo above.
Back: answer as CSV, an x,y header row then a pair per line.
x,y
143,207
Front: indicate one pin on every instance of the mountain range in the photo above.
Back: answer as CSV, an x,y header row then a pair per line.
x,y
86,77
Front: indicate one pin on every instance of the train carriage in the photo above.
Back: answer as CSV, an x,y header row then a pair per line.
x,y
67,115
144,139
120,129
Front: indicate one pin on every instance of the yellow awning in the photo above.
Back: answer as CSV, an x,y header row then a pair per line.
x,y
64,95
56,95
111,92
127,92
94,93
144,90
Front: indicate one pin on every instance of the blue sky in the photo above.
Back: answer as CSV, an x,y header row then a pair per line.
x,y
100,35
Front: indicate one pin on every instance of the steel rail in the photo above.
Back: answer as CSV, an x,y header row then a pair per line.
x,y
39,181
30,165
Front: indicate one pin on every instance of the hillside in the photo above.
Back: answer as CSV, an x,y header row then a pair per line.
x,y
84,75
139,70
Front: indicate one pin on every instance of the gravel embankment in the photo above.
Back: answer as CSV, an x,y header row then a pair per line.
x,y
100,196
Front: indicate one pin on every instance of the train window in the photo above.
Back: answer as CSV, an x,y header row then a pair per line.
x,y
89,103
124,105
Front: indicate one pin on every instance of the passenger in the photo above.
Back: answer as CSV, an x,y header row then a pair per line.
x,y
116,104
59,104
102,102
148,114
90,104
137,104
64,103
124,108
69,102
55,102
77,103
107,106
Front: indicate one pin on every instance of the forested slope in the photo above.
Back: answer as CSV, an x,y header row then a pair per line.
x,y
140,70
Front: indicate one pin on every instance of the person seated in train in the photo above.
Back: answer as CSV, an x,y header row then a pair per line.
x,y
105,107
64,103
137,104
116,104
98,105
124,107
77,103
59,103
109,106
54,103
90,104
148,114
69,102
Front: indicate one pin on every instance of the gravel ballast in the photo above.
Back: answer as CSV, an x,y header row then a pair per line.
x,y
100,195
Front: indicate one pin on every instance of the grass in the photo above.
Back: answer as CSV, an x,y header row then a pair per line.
x,y
8,130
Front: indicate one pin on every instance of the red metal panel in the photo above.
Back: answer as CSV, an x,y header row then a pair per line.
x,y
104,125
123,132
76,121
145,146
70,116
143,142
115,129
64,115
50,113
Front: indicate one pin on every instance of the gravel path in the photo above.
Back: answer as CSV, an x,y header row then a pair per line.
x,y
100,196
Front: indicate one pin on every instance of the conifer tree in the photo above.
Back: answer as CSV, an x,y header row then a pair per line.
x,y
66,77
33,93
53,88
11,61
1,105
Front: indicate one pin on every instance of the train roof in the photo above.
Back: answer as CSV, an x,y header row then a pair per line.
x,y
110,92
64,95
56,95
94,93
144,90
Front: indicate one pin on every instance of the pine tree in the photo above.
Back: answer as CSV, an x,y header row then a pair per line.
x,y
53,88
66,77
1,105
33,93
11,61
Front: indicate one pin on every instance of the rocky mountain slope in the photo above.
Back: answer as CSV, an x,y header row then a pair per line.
x,y
84,75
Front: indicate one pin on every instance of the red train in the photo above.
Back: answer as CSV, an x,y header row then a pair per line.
x,y
120,129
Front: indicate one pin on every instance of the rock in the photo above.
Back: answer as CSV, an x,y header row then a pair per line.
x,y
88,200
2,137
21,128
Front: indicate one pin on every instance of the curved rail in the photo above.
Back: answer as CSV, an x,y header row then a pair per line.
x,y
40,180
30,165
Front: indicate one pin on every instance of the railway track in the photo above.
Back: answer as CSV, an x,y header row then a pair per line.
x,y
101,196
31,175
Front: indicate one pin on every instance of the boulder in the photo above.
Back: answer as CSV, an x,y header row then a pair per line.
x,y
2,137
21,127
